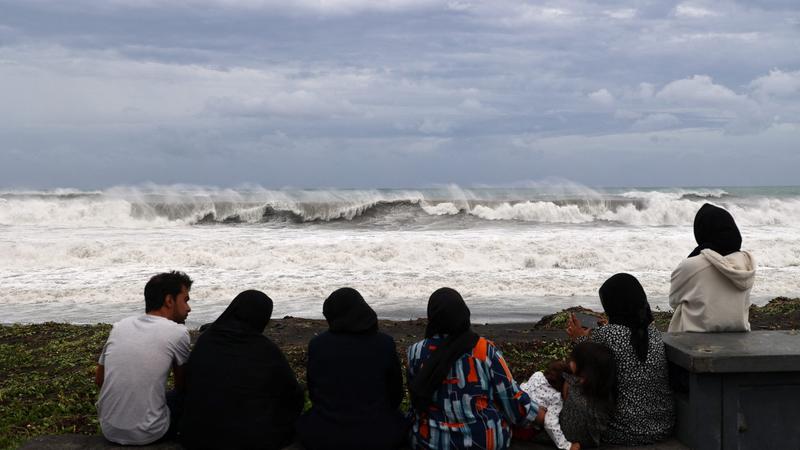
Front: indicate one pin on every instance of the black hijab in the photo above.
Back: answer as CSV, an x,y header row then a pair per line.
x,y
715,228
625,303
248,313
347,312
447,315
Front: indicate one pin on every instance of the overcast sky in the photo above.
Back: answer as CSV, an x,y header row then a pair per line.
x,y
398,93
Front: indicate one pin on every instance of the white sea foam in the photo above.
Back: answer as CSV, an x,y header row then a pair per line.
x,y
85,256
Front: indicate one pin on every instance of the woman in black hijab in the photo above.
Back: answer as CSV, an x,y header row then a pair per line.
x,y
462,392
354,380
644,411
241,392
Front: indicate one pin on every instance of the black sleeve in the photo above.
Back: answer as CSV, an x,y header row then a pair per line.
x,y
289,390
394,378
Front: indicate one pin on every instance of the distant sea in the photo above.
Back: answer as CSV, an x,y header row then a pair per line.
x,y
514,253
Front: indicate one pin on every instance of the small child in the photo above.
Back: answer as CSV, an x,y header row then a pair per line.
x,y
545,389
589,393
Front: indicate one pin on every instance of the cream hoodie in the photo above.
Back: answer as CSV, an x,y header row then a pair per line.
x,y
711,293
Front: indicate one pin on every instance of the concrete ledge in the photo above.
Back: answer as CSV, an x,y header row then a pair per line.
x,y
79,441
754,351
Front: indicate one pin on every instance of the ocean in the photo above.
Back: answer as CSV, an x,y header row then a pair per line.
x,y
515,254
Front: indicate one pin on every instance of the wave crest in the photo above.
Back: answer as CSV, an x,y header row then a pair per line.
x,y
161,206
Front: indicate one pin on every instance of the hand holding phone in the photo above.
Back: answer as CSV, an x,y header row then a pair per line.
x,y
587,320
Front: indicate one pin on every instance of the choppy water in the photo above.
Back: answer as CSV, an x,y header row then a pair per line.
x,y
515,253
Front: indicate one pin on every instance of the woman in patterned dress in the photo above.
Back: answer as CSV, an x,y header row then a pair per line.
x,y
644,411
462,393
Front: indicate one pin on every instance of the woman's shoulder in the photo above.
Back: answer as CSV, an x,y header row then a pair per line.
x,y
689,266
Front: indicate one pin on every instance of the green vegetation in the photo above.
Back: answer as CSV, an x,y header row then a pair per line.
x,y
47,385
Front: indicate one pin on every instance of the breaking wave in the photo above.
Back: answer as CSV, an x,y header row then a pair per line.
x,y
170,206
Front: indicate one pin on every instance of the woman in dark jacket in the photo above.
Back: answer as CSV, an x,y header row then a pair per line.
x,y
241,392
354,380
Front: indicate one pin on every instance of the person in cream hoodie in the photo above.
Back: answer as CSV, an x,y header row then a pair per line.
x,y
710,290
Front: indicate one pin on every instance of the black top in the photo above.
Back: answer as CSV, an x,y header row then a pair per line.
x,y
353,377
241,392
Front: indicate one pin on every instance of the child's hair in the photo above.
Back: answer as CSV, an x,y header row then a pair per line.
x,y
595,364
554,373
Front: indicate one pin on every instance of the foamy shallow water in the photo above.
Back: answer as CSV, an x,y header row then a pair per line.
x,y
64,259
97,275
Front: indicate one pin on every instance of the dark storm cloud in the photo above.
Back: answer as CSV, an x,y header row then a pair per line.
x,y
396,93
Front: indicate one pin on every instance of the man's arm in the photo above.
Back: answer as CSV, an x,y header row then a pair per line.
x,y
99,375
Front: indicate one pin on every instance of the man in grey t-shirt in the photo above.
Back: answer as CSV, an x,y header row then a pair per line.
x,y
133,368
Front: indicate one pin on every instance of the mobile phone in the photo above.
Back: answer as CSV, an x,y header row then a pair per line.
x,y
587,320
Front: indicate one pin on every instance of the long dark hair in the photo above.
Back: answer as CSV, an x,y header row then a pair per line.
x,y
595,364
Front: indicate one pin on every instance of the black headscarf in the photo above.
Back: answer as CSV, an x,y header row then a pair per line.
x,y
625,303
248,313
447,315
715,228
347,312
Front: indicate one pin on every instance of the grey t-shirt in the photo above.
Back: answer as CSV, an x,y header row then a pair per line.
x,y
132,407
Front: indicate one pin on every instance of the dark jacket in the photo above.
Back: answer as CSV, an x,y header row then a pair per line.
x,y
356,385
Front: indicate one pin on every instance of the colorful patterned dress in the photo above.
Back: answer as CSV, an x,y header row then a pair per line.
x,y
476,404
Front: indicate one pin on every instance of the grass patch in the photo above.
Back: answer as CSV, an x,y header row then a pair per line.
x,y
48,383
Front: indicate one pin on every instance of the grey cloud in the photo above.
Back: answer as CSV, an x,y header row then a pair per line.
x,y
422,91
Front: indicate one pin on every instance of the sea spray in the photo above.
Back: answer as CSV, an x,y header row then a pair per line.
x,y
514,252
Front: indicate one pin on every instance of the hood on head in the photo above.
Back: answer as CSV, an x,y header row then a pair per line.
x,y
739,267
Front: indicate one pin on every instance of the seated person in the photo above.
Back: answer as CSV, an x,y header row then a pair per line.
x,y
462,392
240,390
133,407
355,381
643,408
545,388
710,290
588,394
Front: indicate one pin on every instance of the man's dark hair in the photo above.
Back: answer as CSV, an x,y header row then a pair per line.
x,y
162,285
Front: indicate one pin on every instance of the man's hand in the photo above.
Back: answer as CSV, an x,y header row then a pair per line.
x,y
574,328
99,375
575,446
540,415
